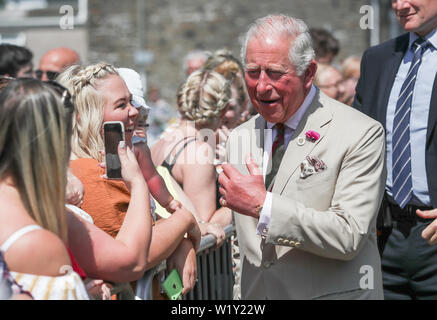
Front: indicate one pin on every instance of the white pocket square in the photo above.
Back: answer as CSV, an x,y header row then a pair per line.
x,y
311,165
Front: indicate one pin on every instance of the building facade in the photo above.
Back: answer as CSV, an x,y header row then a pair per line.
x,y
153,36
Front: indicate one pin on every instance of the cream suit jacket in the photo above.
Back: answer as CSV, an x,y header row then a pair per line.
x,y
321,242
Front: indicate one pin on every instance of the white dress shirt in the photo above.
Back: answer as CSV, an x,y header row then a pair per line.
x,y
290,126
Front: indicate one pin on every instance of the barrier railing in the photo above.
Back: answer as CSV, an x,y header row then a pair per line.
x,y
214,271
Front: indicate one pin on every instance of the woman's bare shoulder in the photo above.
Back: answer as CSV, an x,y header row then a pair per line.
x,y
161,148
204,151
38,252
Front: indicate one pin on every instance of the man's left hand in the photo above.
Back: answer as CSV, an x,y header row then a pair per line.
x,y
244,194
430,232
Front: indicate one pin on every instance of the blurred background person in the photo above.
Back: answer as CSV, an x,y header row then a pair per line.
x,y
54,61
15,61
202,101
350,70
223,62
193,60
326,46
330,81
161,115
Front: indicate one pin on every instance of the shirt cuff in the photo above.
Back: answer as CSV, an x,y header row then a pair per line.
x,y
264,216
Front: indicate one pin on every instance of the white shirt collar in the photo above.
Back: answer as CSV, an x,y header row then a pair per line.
x,y
431,37
294,120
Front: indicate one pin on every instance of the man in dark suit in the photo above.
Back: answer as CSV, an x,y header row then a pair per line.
x,y
398,87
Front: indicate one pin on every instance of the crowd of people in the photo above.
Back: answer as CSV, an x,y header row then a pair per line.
x,y
323,167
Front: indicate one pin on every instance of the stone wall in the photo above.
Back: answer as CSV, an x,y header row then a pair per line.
x,y
168,29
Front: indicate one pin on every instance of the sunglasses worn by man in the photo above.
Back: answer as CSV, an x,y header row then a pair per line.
x,y
51,75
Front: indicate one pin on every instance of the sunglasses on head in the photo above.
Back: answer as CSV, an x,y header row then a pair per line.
x,y
4,81
51,75
63,92
60,90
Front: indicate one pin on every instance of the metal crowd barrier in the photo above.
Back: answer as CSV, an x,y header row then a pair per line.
x,y
214,271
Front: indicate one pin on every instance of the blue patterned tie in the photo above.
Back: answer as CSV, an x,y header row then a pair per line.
x,y
401,165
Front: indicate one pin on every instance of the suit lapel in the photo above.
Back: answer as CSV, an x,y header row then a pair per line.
x,y
315,118
387,77
432,118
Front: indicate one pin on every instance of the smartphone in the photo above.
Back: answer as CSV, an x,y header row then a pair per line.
x,y
173,285
113,132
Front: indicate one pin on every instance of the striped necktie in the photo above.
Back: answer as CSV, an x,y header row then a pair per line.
x,y
277,153
401,166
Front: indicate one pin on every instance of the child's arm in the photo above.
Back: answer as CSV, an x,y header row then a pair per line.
x,y
156,184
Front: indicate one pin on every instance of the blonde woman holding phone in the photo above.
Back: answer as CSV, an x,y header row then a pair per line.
x,y
101,95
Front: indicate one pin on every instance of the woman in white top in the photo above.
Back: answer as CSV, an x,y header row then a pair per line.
x,y
34,147
35,131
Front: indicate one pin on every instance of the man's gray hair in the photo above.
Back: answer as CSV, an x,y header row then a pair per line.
x,y
301,50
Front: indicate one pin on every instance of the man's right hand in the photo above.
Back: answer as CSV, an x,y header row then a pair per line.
x,y
430,232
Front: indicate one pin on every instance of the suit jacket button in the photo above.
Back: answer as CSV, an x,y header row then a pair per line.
x,y
267,264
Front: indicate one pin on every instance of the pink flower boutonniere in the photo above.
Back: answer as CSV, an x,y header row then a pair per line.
x,y
312,135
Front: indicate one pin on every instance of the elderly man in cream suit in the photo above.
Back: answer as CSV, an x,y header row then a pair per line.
x,y
304,178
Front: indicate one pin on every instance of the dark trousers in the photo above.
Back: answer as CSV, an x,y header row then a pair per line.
x,y
409,263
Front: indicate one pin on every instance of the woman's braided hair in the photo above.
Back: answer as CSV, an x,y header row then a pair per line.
x,y
202,97
81,81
